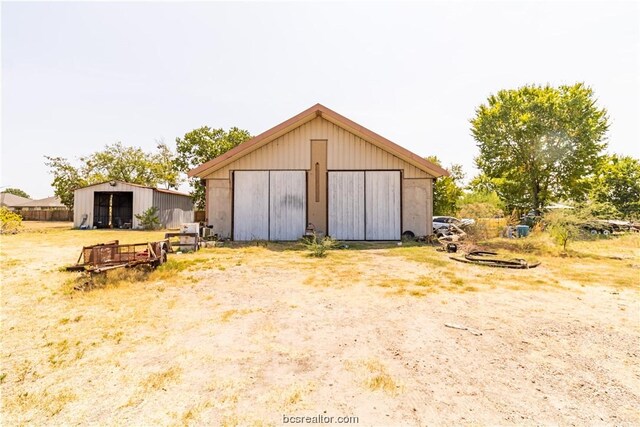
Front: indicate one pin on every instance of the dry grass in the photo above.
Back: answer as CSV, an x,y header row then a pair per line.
x,y
159,380
229,314
373,375
216,337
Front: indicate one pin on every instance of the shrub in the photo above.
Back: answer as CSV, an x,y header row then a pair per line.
x,y
563,226
149,219
480,210
10,222
481,204
318,247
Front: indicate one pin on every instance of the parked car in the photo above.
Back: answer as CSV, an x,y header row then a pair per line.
x,y
446,221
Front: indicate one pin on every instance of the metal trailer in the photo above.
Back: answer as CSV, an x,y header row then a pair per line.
x,y
108,256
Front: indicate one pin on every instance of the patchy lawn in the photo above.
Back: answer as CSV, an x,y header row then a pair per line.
x,y
245,335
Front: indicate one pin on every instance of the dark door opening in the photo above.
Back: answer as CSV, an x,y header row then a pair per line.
x,y
112,209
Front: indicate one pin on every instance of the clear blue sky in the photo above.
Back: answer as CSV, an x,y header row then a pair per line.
x,y
77,76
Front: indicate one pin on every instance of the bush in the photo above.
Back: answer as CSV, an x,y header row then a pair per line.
x,y
562,225
481,204
10,222
149,219
480,210
318,247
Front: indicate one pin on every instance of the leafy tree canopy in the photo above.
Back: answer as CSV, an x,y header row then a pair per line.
x,y
201,145
447,190
115,162
540,143
617,184
16,192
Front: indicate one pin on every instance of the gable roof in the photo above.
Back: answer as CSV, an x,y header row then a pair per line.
x,y
47,202
307,115
11,200
159,190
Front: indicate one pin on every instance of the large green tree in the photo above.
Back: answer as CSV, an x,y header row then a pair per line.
x,y
540,143
16,192
447,190
617,182
201,145
66,178
114,162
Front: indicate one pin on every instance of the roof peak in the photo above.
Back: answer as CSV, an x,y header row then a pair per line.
x,y
301,118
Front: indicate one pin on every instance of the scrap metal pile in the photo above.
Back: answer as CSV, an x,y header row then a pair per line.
x,y
489,259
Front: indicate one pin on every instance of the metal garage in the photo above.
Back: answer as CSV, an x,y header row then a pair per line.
x,y
323,170
115,204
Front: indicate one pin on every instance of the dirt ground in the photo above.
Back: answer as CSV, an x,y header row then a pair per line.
x,y
250,335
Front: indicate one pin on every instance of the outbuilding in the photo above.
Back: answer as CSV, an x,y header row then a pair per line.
x,y
323,171
115,204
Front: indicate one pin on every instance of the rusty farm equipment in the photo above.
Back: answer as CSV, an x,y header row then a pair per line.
x,y
108,256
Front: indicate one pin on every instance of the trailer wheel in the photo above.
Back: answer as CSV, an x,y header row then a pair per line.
x,y
163,256
161,259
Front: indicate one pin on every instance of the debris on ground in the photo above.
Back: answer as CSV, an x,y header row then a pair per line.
x,y
463,328
488,258
451,233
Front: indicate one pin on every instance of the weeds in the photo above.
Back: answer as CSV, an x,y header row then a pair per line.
x,y
318,247
158,380
376,376
227,315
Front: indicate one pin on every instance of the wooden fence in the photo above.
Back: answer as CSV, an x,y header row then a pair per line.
x,y
46,215
67,215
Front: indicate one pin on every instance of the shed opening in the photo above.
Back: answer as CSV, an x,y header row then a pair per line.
x,y
112,209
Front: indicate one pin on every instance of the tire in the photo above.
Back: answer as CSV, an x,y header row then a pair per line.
x,y
593,232
161,259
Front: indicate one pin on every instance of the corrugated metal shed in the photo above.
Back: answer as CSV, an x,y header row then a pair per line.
x,y
173,209
91,205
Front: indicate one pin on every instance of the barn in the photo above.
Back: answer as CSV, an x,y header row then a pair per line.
x,y
115,204
322,170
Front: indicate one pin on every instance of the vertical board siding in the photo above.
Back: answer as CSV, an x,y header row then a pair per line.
x,y
416,202
345,151
251,205
382,205
173,209
287,204
346,205
429,188
219,206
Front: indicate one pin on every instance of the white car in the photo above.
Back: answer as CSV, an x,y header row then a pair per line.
x,y
446,221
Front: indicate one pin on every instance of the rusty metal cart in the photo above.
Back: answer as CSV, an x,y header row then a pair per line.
x,y
107,256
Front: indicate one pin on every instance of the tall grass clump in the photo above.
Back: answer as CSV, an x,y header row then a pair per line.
x,y
318,247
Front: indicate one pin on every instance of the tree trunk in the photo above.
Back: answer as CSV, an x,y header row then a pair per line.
x,y
535,195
